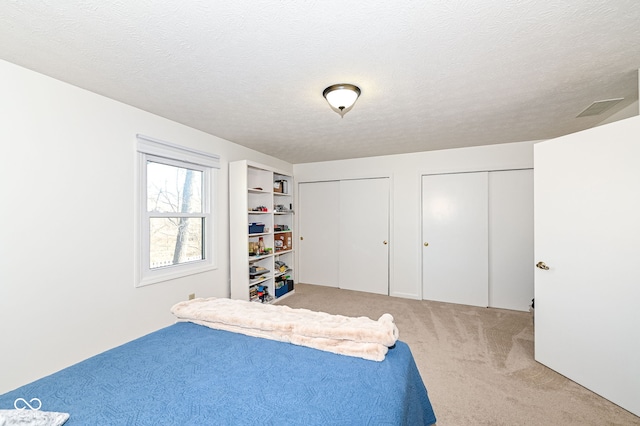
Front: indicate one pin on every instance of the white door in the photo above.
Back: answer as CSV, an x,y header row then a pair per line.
x,y
511,239
455,234
364,235
587,232
319,216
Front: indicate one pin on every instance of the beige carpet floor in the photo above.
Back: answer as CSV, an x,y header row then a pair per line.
x,y
477,363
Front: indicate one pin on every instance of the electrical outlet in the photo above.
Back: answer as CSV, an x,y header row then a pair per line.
x,y
192,296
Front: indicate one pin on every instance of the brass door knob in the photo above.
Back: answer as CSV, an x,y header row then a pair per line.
x,y
384,242
426,244
541,265
301,238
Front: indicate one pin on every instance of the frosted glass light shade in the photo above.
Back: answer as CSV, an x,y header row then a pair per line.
x,y
341,97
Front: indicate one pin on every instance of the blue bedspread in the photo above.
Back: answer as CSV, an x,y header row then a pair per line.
x,y
188,374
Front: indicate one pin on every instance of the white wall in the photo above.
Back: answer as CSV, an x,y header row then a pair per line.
x,y
67,224
405,172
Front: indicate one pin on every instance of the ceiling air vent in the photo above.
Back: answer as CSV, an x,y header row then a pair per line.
x,y
598,107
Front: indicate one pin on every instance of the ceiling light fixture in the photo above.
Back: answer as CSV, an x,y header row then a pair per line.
x,y
341,97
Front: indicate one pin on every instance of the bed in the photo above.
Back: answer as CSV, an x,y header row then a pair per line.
x,y
189,374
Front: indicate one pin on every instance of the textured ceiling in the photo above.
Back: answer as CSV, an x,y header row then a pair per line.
x,y
434,74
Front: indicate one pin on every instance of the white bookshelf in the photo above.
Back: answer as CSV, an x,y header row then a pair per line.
x,y
263,195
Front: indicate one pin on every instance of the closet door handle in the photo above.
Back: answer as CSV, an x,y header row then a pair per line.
x,y
384,242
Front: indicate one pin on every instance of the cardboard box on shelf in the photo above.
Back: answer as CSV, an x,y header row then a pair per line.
x,y
282,241
281,186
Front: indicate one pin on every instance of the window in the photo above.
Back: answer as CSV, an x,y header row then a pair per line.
x,y
176,229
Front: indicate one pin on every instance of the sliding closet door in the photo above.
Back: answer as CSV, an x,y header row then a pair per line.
x,y
455,238
364,235
319,215
511,239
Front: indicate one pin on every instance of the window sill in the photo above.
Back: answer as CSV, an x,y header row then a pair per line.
x,y
169,273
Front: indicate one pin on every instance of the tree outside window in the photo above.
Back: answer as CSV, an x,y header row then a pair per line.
x,y
176,221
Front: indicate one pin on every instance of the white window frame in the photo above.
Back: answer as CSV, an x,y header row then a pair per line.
x,y
150,149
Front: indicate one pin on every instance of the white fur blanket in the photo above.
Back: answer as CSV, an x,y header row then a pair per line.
x,y
359,337
32,418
